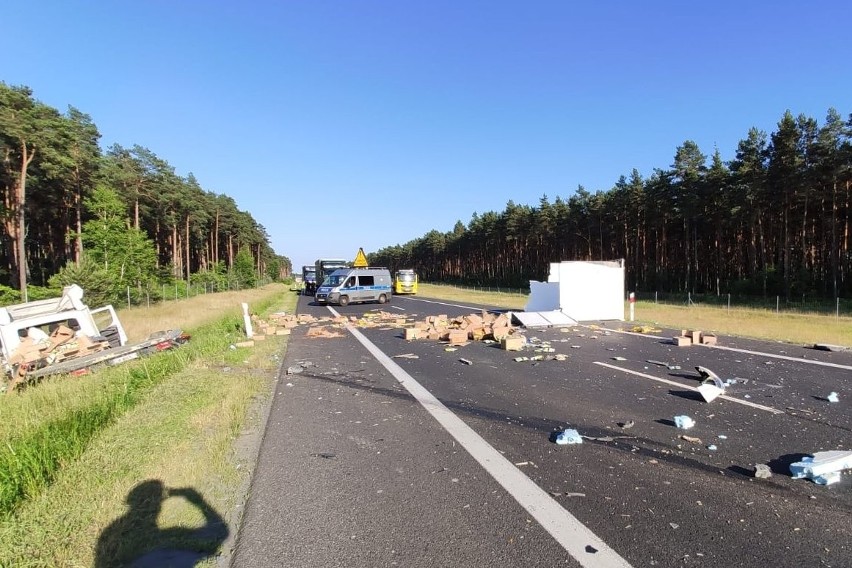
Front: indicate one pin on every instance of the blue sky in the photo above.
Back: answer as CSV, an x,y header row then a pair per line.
x,y
347,124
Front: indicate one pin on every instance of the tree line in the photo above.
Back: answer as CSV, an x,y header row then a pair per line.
x,y
69,208
774,220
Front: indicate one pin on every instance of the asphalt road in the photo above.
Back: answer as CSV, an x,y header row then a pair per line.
x,y
371,460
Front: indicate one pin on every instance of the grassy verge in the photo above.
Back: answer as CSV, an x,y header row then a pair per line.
x,y
741,322
160,463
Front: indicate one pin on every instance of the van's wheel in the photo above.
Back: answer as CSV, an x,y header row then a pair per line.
x,y
382,298
343,301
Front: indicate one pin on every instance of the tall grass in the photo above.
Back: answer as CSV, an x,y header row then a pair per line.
x,y
39,439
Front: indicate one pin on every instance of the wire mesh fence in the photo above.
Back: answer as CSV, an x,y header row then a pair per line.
x,y
803,305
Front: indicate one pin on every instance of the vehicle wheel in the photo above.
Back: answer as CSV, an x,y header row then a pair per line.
x,y
382,298
344,300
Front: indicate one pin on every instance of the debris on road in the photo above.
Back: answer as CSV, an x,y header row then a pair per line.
x,y
689,337
832,397
619,358
569,436
295,370
690,439
466,361
710,389
406,356
669,366
830,347
684,422
645,329
823,468
626,425
762,471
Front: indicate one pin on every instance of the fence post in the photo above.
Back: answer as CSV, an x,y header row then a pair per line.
x,y
777,304
837,308
128,296
655,296
729,302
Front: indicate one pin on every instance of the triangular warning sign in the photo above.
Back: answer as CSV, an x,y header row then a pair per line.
x,y
360,259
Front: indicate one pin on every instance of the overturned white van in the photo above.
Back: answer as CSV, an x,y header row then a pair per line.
x,y
349,285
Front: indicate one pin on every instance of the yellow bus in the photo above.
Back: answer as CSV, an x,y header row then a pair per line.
x,y
405,282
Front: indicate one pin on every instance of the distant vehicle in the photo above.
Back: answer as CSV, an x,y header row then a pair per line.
x,y
349,285
309,280
325,266
405,282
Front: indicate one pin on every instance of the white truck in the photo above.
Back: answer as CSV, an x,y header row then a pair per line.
x,y
62,335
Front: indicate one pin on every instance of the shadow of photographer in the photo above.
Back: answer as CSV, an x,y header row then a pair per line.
x,y
136,540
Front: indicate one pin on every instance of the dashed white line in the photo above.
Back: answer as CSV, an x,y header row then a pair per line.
x,y
688,387
578,540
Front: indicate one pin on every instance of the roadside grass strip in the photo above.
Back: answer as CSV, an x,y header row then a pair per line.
x,y
31,454
166,429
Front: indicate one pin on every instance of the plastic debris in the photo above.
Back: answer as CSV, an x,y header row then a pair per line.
x,y
823,468
406,356
295,370
450,349
711,388
762,471
626,425
832,397
466,361
569,437
669,366
712,447
722,437
619,358
519,359
690,439
684,422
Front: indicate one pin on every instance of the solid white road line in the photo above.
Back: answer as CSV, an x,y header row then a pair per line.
x,y
681,385
580,542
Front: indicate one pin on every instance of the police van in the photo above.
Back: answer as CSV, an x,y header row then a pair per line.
x,y
348,285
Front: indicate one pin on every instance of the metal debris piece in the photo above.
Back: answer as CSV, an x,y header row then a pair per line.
x,y
706,373
619,358
466,361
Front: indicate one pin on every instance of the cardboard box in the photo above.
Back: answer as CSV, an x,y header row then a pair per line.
x,y
500,332
696,336
708,339
413,333
513,343
682,341
457,336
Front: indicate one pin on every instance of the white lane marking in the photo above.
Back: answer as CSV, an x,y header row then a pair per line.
x,y
746,351
444,304
568,531
677,384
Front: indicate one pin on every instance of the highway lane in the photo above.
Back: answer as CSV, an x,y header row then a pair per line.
x,y
653,497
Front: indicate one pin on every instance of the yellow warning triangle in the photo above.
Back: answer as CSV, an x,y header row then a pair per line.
x,y
360,259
